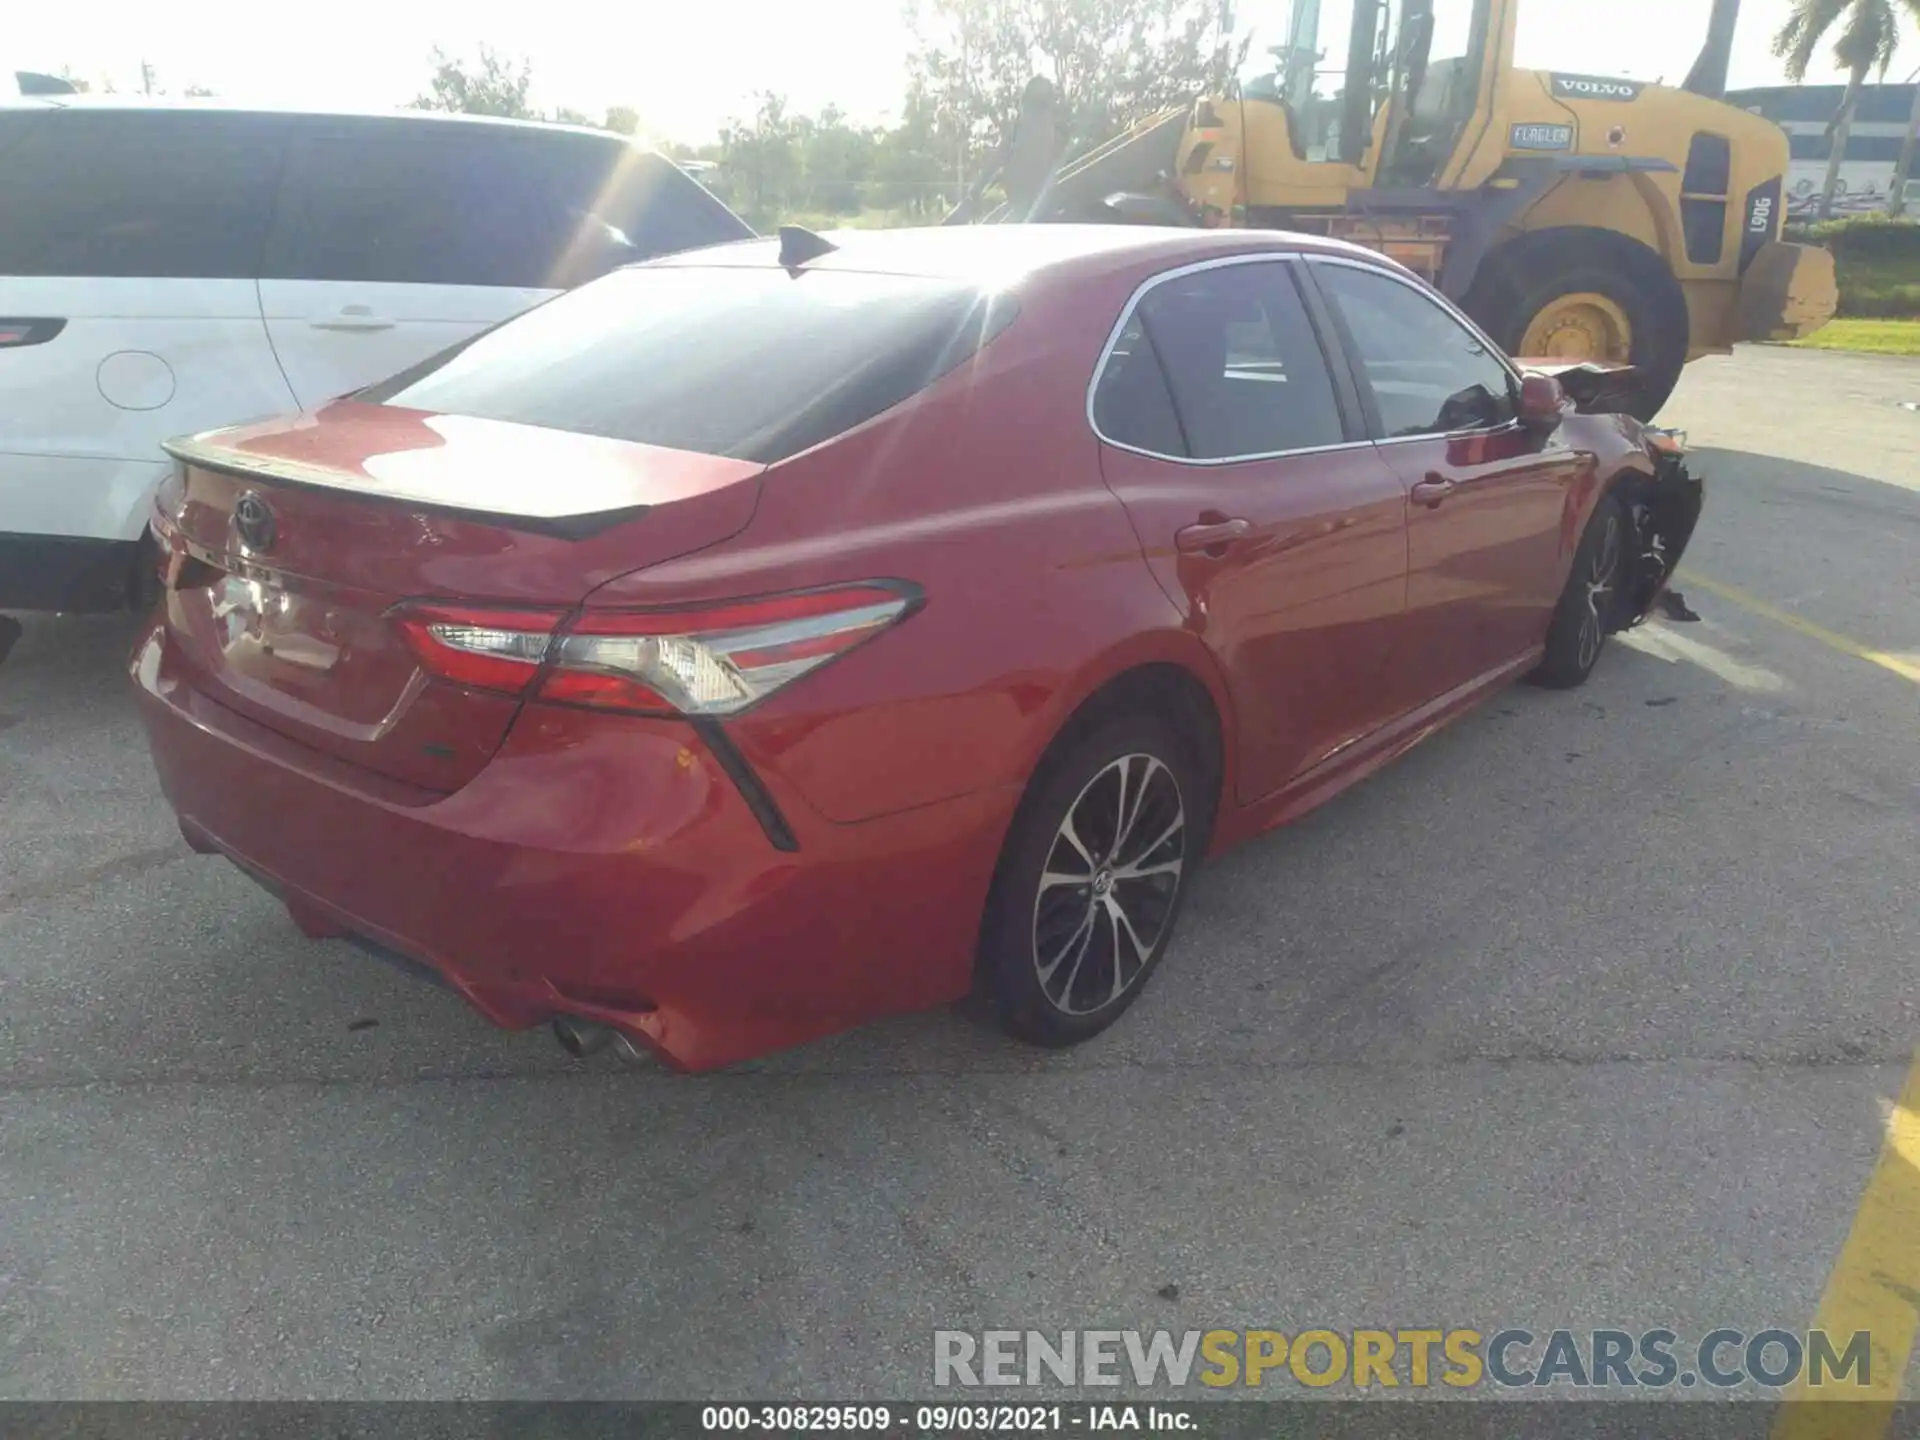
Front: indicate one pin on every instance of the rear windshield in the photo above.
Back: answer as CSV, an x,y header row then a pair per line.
x,y
754,364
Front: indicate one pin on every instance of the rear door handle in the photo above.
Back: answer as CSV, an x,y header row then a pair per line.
x,y
1432,490
353,317
1212,537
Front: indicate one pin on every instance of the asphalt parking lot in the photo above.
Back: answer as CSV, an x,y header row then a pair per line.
x,y
1589,1012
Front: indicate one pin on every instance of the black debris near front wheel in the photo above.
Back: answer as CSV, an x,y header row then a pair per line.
x,y
1664,509
1633,541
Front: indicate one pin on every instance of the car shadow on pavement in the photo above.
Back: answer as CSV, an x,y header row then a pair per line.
x,y
1288,936
1581,958
1785,479
67,661
194,968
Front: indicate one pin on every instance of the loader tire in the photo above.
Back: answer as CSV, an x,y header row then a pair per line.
x,y
1558,272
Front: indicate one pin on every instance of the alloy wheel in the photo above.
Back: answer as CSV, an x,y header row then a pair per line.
x,y
1108,886
1601,577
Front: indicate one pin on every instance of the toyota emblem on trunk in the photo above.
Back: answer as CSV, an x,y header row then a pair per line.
x,y
253,522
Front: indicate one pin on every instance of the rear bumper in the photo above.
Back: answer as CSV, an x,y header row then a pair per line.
x,y
599,866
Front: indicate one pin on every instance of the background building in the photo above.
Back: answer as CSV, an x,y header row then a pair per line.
x,y
1866,170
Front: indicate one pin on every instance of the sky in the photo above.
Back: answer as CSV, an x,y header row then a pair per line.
x,y
687,69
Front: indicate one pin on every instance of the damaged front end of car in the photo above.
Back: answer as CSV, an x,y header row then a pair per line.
x,y
1665,508
1664,504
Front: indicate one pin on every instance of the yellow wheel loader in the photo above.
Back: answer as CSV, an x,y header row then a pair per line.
x,y
1572,216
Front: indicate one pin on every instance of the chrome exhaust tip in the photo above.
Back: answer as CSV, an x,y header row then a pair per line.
x,y
580,1038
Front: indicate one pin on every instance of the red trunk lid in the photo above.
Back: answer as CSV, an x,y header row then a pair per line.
x,y
294,540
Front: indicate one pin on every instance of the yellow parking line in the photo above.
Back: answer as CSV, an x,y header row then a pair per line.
x,y
1875,1282
1898,664
1875,1287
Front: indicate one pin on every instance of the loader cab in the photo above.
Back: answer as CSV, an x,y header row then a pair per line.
x,y
1438,79
1397,88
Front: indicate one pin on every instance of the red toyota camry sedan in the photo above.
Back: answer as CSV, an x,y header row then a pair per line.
x,y
758,641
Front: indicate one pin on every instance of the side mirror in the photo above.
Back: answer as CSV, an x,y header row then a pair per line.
x,y
1542,401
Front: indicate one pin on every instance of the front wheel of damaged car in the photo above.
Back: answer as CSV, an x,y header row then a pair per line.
x,y
1591,602
1095,870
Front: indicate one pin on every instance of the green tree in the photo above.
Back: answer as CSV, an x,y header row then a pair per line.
x,y
761,161
1869,34
836,161
1112,62
150,84
493,85
782,165
623,120
907,165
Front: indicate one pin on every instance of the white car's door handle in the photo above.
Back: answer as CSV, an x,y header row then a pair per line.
x,y
352,317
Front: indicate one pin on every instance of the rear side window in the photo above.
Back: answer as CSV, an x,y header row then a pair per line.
x,y
1240,373
744,362
421,205
431,203
146,193
1132,405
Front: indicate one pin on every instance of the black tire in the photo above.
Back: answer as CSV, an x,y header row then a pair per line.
x,y
1588,606
1521,279
1031,929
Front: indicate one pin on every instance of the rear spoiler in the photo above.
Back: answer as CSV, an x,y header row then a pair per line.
x,y
496,488
241,466
1598,387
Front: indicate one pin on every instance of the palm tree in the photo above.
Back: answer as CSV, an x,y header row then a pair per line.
x,y
1709,73
1869,35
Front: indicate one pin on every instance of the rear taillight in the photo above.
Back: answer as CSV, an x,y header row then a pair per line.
x,y
486,648
709,660
16,333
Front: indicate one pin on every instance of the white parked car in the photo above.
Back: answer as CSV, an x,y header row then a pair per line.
x,y
168,268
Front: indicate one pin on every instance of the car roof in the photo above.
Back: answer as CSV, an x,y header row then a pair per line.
x,y
1004,254
121,104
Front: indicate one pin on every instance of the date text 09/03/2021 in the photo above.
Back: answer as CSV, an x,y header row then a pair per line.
x,y
947,1419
